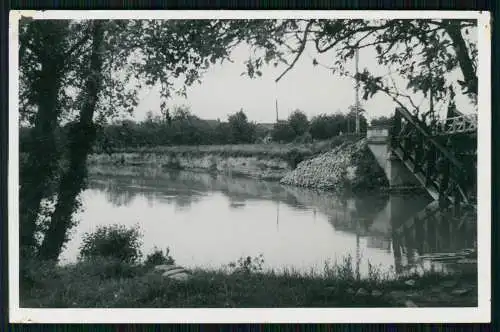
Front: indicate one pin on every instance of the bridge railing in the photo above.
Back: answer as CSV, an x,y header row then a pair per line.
x,y
465,123
413,140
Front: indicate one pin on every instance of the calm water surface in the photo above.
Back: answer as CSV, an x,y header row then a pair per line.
x,y
208,221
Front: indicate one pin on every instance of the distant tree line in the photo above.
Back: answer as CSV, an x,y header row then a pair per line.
x,y
382,121
181,127
324,126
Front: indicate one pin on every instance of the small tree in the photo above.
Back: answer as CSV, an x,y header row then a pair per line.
x,y
241,130
324,126
299,122
283,132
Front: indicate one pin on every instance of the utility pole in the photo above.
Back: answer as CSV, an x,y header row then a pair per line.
x,y
276,104
276,109
357,92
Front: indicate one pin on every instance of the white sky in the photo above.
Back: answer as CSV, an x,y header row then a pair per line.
x,y
312,89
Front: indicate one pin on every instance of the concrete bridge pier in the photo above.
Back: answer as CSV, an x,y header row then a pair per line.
x,y
397,173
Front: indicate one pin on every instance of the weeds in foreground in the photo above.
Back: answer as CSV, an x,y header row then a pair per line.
x,y
247,264
105,278
109,283
158,257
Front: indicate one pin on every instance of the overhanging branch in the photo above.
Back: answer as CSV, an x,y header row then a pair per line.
x,y
299,52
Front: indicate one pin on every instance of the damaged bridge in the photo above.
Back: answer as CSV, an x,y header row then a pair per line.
x,y
439,157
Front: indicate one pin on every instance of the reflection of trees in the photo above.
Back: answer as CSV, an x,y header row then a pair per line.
x,y
357,220
183,188
120,191
236,202
119,198
367,207
183,201
114,193
175,183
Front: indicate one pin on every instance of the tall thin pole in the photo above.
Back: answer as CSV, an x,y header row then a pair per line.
x,y
276,110
276,104
357,92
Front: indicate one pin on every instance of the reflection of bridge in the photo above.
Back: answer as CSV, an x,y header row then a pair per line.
x,y
383,221
407,226
439,157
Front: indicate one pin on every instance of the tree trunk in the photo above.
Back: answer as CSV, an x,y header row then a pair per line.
x,y
42,159
81,137
470,78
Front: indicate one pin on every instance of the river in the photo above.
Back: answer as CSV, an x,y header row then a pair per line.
x,y
209,221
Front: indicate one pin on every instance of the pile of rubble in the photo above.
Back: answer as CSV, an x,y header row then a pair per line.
x,y
329,171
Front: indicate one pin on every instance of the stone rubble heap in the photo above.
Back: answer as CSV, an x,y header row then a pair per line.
x,y
328,171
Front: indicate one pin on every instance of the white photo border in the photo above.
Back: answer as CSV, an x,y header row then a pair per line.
x,y
482,313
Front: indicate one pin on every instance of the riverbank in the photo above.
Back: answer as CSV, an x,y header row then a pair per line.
x,y
120,285
343,163
258,161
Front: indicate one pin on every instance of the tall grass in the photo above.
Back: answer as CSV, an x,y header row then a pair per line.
x,y
110,274
110,283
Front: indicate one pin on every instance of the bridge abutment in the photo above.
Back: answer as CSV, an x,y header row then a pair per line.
x,y
397,173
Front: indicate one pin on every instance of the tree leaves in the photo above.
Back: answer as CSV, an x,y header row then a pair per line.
x,y
397,44
160,52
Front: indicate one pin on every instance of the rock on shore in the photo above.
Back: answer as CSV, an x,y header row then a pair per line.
x,y
336,169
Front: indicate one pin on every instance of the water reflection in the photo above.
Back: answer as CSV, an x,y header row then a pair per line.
x,y
211,220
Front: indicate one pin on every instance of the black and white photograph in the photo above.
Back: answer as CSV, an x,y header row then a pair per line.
x,y
227,166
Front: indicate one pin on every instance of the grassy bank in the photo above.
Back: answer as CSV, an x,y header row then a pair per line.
x,y
113,284
291,152
245,150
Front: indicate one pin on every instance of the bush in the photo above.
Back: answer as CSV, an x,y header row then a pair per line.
x,y
158,257
299,122
283,132
325,126
115,242
241,131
